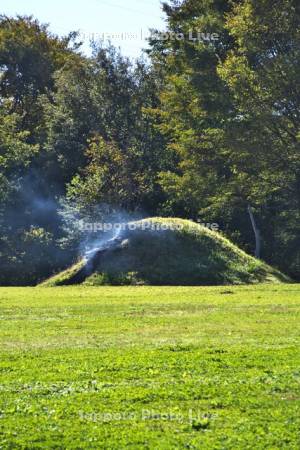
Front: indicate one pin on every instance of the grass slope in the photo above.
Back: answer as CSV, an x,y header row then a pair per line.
x,y
185,253
150,367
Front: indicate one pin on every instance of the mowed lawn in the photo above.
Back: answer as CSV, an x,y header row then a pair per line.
x,y
150,367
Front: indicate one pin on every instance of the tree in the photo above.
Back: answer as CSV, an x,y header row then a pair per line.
x,y
262,73
230,110
124,149
29,56
15,152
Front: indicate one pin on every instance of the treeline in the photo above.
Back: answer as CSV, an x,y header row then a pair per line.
x,y
205,128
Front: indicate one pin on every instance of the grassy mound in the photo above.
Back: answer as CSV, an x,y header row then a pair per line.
x,y
162,251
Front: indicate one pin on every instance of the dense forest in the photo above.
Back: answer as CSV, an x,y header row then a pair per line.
x,y
206,126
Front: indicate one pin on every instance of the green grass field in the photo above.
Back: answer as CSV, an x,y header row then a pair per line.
x,y
150,367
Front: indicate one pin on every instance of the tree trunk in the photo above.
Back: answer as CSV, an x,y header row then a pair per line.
x,y
256,233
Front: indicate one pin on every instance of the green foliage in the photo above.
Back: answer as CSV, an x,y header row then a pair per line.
x,y
29,56
262,75
15,152
145,367
123,150
230,109
109,177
